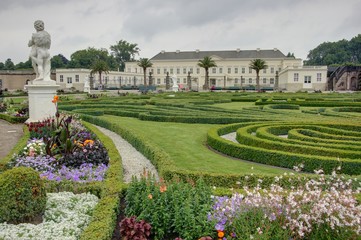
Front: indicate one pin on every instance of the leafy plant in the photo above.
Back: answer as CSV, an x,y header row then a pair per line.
x,y
131,229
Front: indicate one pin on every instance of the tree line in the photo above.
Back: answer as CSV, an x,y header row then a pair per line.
x,y
89,58
342,52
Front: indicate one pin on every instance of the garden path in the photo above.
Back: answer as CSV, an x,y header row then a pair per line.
x,y
134,163
9,136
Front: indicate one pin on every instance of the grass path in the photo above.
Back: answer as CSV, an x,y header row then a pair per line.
x,y
185,143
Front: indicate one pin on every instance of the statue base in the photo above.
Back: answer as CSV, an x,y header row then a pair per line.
x,y
40,98
175,88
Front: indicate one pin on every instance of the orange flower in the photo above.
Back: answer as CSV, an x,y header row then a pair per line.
x,y
220,234
163,188
88,141
150,196
55,99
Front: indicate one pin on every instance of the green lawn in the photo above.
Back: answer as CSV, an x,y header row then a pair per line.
x,y
185,143
235,105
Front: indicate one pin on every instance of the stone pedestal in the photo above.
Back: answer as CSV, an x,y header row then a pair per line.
x,y
40,97
175,88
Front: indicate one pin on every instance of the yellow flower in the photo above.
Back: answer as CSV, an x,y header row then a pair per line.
x,y
150,196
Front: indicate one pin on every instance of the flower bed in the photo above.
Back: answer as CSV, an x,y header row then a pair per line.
x,y
65,217
323,208
62,148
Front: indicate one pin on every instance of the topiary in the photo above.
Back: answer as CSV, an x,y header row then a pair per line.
x,y
22,195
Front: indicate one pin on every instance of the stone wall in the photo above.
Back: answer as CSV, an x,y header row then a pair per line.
x,y
13,80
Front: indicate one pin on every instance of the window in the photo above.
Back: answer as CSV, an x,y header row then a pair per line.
x,y
243,80
235,70
250,80
272,70
136,70
191,70
184,70
76,78
220,70
229,71
243,70
61,78
171,71
158,80
184,80
214,70
165,70
178,70
319,77
272,81
295,77
264,70
151,70
249,70
198,70
307,79
69,80
178,80
236,80
264,80
158,70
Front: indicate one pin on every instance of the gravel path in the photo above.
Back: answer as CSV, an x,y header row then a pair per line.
x,y
230,136
133,161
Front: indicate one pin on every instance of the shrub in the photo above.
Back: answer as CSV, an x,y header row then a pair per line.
x,y
131,229
22,195
181,208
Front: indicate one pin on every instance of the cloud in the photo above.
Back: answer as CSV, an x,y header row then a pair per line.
x,y
291,26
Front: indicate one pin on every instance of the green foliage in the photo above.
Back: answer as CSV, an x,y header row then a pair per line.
x,y
12,119
22,195
172,209
252,222
124,52
258,65
99,66
206,63
87,57
340,52
145,63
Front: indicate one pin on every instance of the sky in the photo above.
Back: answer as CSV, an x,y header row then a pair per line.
x,y
295,26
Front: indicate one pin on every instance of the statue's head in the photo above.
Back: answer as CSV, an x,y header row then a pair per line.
x,y
39,25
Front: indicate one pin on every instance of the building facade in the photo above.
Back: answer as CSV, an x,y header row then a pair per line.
x,y
233,70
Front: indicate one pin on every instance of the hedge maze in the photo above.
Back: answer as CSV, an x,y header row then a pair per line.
x,y
285,144
284,130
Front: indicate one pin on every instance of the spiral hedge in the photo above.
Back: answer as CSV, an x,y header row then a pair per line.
x,y
315,145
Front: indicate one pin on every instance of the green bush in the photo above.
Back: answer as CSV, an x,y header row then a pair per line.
x,y
22,195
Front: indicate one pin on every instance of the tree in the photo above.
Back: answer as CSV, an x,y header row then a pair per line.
x,y
258,65
24,65
289,54
9,65
145,63
86,58
99,66
336,53
206,63
2,66
59,61
124,52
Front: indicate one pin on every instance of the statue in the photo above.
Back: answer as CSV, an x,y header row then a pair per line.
x,y
86,85
175,86
40,56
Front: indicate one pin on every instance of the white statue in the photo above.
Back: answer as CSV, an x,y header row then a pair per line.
x,y
40,57
86,85
175,86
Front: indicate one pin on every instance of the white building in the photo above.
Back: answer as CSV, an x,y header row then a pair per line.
x,y
75,78
232,72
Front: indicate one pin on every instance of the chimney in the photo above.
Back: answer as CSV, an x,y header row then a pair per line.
x,y
162,52
197,50
258,49
177,51
238,50
275,49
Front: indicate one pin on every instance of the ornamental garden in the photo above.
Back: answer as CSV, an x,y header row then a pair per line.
x,y
233,165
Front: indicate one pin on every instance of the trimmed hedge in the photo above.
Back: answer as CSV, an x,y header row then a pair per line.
x,y
277,157
12,119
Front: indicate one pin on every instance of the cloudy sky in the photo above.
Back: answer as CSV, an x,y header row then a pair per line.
x,y
290,25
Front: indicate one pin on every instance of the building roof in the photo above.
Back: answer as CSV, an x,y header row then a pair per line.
x,y
228,54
